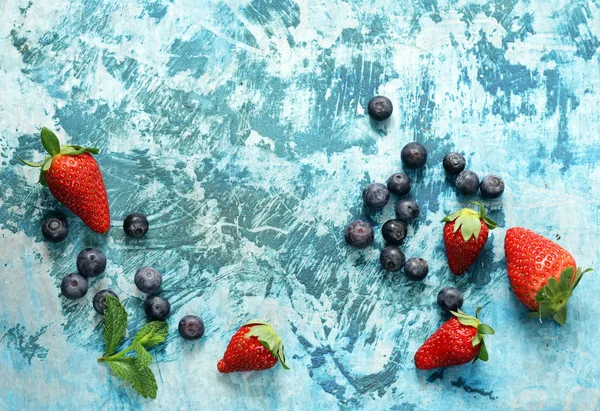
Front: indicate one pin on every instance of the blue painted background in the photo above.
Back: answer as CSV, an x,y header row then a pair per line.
x,y
239,128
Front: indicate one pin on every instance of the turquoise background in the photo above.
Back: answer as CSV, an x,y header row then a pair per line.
x,y
239,128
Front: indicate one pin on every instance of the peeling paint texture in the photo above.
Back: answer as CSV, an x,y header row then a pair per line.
x,y
239,128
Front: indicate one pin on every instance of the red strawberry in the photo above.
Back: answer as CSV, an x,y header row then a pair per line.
x,y
463,247
458,341
254,347
542,274
74,179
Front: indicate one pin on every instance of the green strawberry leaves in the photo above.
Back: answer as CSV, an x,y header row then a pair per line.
x,y
30,163
482,331
72,150
135,370
469,221
50,141
268,338
52,146
553,297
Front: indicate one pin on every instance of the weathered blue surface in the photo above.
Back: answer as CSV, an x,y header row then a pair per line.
x,y
239,128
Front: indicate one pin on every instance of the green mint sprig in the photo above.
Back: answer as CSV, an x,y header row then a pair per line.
x,y
135,370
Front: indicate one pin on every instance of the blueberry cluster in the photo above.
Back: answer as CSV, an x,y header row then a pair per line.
x,y
360,233
467,182
91,262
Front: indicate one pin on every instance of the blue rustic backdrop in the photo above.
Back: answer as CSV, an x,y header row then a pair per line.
x,y
239,128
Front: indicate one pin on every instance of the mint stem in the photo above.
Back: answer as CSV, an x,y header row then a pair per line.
x,y
117,355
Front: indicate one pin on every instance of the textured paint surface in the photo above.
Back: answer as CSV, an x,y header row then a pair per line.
x,y
239,128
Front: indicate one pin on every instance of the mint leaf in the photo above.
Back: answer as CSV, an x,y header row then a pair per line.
x,y
138,375
50,141
152,333
115,323
143,356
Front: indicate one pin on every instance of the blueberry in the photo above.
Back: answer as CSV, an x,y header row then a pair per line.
x,y
100,299
380,108
399,184
467,183
416,269
135,225
454,163
359,234
376,196
407,210
450,299
491,186
157,308
55,229
91,262
191,327
148,280
414,155
394,231
391,258
74,286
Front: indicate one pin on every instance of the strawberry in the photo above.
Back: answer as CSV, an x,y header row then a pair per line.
x,y
542,274
254,347
74,179
458,341
463,247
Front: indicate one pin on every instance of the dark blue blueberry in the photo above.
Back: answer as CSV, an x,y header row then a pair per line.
x,y
100,299
74,286
380,108
467,183
91,262
191,327
394,231
414,155
416,269
376,196
454,163
55,229
359,234
491,186
399,184
135,225
450,299
407,210
391,258
157,308
148,280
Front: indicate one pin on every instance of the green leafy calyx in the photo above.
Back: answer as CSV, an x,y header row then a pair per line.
x,y
268,338
135,370
469,221
553,297
53,148
482,331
